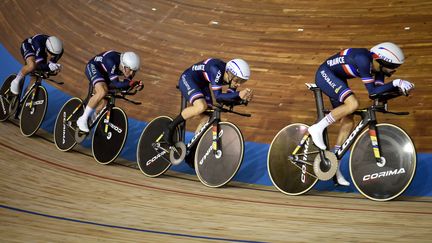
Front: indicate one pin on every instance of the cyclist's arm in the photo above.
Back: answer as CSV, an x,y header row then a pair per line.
x,y
215,77
228,96
40,57
120,85
379,79
377,89
374,85
111,68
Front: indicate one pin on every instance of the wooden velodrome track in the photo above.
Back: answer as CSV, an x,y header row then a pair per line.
x,y
50,196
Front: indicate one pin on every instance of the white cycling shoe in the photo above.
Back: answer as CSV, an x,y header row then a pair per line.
x,y
341,179
14,86
82,124
317,136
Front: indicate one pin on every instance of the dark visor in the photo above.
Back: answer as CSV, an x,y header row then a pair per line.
x,y
388,64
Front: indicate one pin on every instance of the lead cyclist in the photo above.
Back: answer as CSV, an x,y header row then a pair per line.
x,y
372,66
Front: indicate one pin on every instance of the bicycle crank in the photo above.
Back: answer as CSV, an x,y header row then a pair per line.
x,y
177,153
325,170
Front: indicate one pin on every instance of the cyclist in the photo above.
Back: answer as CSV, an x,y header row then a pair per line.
x,y
372,66
103,72
40,52
194,86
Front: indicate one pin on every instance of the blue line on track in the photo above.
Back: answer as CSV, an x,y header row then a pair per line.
x,y
122,227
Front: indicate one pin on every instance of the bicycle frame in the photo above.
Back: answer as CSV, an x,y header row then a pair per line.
x,y
214,121
109,106
368,119
34,87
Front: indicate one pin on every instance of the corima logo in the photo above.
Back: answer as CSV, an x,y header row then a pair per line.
x,y
304,168
383,174
114,127
38,102
150,161
64,128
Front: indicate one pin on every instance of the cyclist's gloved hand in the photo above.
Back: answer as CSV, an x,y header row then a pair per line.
x,y
138,84
54,67
404,85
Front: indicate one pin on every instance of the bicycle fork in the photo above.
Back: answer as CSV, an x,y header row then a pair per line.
x,y
375,145
107,120
217,134
71,114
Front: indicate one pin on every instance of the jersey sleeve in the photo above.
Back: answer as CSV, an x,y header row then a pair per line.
x,y
364,67
379,86
374,85
39,48
377,89
230,95
120,85
110,67
40,56
379,79
43,67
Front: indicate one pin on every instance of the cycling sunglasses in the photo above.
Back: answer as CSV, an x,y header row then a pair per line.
x,y
388,64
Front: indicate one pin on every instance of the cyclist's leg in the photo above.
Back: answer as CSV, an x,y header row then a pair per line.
x,y
204,118
100,89
347,124
103,103
195,96
335,88
28,55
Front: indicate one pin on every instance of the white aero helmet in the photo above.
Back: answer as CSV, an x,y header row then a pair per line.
x,y
131,60
54,45
388,55
239,68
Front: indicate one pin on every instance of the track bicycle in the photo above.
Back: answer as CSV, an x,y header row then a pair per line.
x,y
111,125
382,160
215,151
31,108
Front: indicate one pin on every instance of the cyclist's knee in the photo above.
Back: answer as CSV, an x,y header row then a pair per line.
x,y
98,96
197,108
200,106
30,66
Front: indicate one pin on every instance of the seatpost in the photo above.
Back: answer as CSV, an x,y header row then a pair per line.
x,y
319,102
183,126
320,109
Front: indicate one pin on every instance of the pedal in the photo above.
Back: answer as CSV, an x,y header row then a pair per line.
x,y
80,135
